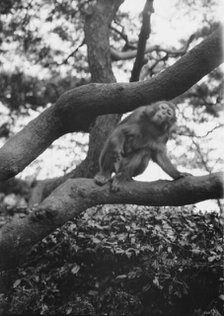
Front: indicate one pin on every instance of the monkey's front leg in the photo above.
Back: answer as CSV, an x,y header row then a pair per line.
x,y
164,162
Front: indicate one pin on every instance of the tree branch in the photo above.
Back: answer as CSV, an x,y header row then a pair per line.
x,y
118,55
77,108
76,195
143,37
65,60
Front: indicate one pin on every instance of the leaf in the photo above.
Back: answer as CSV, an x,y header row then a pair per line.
x,y
99,226
156,282
75,269
121,276
75,247
146,287
196,251
16,283
157,228
212,258
119,251
221,296
122,237
93,292
69,310
133,226
133,240
72,227
128,254
96,240
123,218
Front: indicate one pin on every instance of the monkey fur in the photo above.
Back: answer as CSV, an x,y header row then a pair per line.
x,y
139,137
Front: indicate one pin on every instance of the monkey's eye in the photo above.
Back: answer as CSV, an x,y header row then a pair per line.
x,y
169,112
163,106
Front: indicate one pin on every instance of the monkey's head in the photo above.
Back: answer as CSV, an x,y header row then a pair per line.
x,y
164,115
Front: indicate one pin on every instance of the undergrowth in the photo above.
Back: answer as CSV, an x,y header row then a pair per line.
x,y
124,260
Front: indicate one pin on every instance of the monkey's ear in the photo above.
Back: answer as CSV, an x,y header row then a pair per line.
x,y
173,128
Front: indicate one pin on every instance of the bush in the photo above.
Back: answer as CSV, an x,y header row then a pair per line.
x,y
125,260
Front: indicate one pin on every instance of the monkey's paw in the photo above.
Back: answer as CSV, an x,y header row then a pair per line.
x,y
101,179
117,183
115,186
183,175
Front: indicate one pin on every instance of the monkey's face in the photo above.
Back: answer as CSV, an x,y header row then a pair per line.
x,y
164,115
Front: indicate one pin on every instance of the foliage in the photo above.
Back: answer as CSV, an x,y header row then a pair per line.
x,y
21,91
124,260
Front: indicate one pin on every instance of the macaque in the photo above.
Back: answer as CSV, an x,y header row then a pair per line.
x,y
139,137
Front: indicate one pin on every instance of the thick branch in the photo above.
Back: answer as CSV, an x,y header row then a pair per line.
x,y
76,195
76,108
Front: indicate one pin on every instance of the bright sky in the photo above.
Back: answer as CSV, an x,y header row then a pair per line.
x,y
162,7
166,19
163,11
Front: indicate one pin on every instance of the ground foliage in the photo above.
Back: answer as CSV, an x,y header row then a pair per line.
x,y
124,260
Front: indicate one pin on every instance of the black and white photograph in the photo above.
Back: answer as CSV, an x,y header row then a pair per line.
x,y
112,157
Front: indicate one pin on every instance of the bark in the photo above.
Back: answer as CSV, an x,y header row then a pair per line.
x,y
97,30
77,108
143,37
76,195
16,186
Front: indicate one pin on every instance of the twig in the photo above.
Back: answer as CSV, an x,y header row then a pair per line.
x,y
117,55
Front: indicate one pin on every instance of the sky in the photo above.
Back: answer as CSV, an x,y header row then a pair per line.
x,y
162,7
166,18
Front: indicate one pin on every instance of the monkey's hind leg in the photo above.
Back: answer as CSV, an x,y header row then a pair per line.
x,y
109,162
123,174
118,181
130,166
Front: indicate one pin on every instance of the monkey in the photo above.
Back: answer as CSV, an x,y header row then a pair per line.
x,y
140,137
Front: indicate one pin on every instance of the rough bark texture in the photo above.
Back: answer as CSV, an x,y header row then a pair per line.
x,y
97,22
77,108
75,196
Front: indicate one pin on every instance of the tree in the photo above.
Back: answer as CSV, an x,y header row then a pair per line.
x,y
96,108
